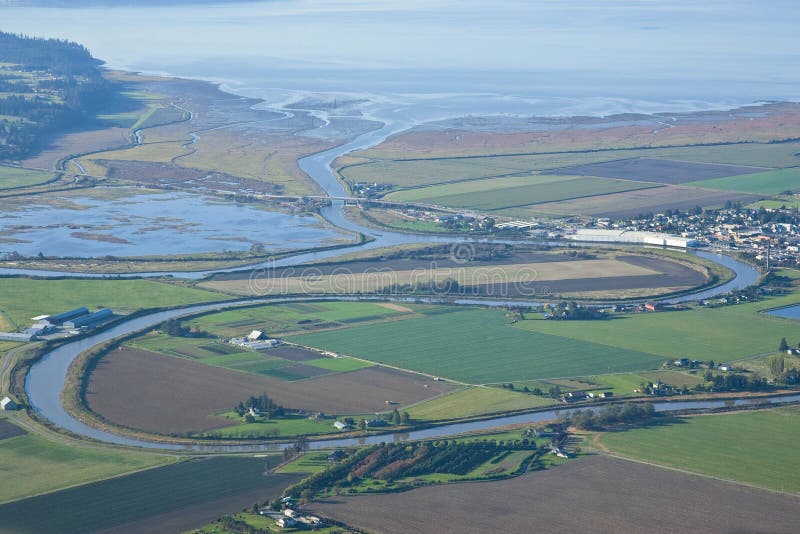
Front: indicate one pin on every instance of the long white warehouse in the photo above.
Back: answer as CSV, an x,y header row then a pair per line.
x,y
630,236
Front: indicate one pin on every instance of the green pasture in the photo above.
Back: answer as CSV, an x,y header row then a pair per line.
x,y
473,401
37,465
718,334
274,319
340,365
23,298
767,183
282,427
753,447
15,177
477,346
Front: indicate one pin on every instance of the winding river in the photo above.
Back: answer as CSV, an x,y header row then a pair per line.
x,y
46,378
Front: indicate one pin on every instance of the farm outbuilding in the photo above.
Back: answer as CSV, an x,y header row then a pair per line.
x,y
90,320
62,317
7,404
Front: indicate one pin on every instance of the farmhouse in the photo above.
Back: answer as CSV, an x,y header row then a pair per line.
x,y
255,340
574,396
286,522
341,425
7,404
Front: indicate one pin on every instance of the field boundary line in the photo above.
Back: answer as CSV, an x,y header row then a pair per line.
x,y
695,473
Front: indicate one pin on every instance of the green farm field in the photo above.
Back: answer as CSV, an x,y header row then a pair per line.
x,y
115,502
420,172
476,346
540,188
37,465
284,427
23,298
704,334
275,319
15,177
220,354
768,183
753,447
473,401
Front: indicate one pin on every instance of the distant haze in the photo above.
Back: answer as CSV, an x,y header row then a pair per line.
x,y
681,52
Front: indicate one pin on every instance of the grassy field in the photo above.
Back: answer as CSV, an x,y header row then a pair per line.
x,y
36,465
14,177
112,503
476,346
768,183
284,427
697,334
504,196
23,298
312,462
275,319
412,173
753,447
475,401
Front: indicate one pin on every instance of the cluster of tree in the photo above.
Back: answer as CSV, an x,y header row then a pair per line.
x,y
447,286
175,328
262,404
69,87
390,461
573,311
610,415
731,382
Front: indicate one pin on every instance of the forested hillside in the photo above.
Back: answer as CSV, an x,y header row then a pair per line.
x,y
45,85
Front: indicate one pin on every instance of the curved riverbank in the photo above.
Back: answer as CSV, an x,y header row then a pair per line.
x,y
46,379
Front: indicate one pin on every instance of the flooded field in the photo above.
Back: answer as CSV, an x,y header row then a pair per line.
x,y
131,222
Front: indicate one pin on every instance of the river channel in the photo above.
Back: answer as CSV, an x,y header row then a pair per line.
x,y
46,378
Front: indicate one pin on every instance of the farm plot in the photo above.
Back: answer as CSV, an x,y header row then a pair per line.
x,y
23,298
9,430
163,394
736,440
523,274
276,319
17,177
662,171
477,346
632,203
540,189
581,495
767,183
37,465
474,401
169,499
703,334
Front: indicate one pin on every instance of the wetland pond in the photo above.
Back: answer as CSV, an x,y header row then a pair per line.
x,y
130,222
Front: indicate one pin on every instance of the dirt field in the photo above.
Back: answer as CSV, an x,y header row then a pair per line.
x,y
662,171
632,203
157,393
7,430
295,354
556,274
591,494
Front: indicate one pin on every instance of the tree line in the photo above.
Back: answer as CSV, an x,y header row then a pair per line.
x,y
65,71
